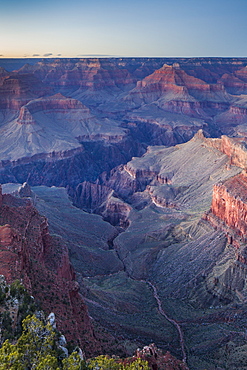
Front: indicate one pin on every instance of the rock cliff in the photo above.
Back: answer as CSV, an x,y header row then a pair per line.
x,y
157,360
30,254
229,203
234,148
100,199
16,90
176,91
55,103
142,101
90,196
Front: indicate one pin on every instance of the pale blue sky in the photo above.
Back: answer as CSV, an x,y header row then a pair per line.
x,y
123,28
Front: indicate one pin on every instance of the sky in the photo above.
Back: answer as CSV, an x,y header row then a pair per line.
x,y
123,28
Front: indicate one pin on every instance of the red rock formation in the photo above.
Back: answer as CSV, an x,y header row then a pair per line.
x,y
121,181
56,102
234,148
233,84
16,91
184,107
159,361
9,238
229,203
136,173
116,212
242,74
25,117
178,92
165,200
232,117
85,73
29,253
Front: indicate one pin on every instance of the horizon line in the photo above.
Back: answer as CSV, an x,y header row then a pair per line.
x,y
96,56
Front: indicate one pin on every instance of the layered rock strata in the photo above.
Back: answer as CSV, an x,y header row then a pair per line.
x,y
234,148
229,203
41,262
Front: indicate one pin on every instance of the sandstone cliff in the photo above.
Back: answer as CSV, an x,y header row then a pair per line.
x,y
178,92
30,254
234,148
16,90
229,203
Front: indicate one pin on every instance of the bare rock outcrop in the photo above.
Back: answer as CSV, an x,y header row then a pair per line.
x,y
234,148
25,117
16,91
116,212
233,83
25,190
89,196
228,214
176,91
229,203
56,102
159,361
41,262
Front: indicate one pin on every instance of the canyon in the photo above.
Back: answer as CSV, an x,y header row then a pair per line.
x,y
123,205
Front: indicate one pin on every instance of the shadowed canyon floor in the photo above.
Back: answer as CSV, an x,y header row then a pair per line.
x,y
126,161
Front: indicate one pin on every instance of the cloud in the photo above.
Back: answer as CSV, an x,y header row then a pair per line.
x,y
47,54
36,55
94,55
58,55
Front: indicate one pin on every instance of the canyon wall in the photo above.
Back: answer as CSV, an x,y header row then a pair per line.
x,y
41,262
229,203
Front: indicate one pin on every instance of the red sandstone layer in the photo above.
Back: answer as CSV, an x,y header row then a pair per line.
x,y
229,203
30,254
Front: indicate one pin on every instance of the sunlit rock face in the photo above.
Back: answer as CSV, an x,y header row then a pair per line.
x,y
230,203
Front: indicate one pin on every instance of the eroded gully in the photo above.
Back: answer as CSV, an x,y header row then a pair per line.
x,y
161,311
172,321
156,297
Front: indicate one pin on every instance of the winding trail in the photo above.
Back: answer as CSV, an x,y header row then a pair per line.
x,y
160,309
172,321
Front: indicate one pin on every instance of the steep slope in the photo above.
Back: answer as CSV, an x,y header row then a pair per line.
x,y
53,125
170,105
16,90
30,254
170,85
228,213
